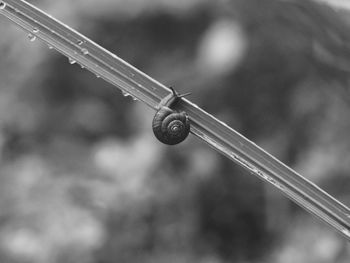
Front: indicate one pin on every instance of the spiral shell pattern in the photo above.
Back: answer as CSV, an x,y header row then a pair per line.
x,y
170,127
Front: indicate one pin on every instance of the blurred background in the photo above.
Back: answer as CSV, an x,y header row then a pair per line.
x,y
82,178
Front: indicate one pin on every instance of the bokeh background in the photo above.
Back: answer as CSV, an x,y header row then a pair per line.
x,y
82,179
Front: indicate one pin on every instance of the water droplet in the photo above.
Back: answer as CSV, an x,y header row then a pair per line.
x,y
71,61
2,5
84,51
31,37
82,66
50,47
97,76
346,232
134,98
80,42
125,94
35,30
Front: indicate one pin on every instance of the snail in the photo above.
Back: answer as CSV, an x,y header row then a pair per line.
x,y
170,126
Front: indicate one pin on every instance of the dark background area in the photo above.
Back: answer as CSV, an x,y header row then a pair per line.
x,y
82,179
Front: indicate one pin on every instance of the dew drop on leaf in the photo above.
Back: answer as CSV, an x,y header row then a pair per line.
x,y
85,51
125,94
346,232
31,37
71,61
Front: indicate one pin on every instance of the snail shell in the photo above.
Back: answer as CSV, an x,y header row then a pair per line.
x,y
169,126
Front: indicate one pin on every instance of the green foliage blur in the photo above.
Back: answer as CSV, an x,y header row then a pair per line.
x,y
82,179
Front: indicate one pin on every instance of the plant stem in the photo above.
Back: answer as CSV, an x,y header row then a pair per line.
x,y
214,132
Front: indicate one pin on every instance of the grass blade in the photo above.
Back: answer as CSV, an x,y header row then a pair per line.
x,y
215,133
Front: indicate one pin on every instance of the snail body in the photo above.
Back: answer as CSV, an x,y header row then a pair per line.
x,y
169,126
